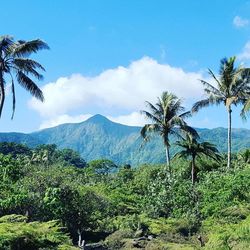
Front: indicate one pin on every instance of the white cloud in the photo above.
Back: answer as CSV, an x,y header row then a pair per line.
x,y
240,22
123,88
133,119
245,54
120,90
63,119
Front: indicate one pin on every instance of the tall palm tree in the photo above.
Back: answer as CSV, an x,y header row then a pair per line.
x,y
193,149
15,64
231,87
167,117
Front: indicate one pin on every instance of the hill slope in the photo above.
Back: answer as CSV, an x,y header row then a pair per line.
x,y
99,137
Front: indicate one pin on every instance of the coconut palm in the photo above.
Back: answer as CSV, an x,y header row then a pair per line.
x,y
167,117
15,65
231,88
193,149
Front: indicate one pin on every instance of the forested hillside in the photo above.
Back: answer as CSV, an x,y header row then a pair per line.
x,y
99,137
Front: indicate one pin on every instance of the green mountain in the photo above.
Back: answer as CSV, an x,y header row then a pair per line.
x,y
99,137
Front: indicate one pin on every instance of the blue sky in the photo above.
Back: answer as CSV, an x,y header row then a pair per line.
x,y
109,57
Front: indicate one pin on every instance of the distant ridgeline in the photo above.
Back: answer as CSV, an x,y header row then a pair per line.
x,y
99,138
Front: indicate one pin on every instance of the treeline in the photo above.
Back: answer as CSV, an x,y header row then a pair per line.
x,y
120,206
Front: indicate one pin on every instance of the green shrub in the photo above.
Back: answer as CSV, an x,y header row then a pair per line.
x,y
117,239
16,233
228,236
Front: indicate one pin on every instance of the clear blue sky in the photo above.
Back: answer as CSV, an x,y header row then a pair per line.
x,y
91,37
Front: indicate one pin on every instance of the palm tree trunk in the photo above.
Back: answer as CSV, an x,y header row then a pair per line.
x,y
2,93
193,173
168,158
229,137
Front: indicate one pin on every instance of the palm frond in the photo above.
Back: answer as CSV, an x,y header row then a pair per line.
x,y
25,48
191,131
175,107
28,66
153,109
211,73
200,104
22,62
147,131
186,114
29,85
210,87
182,154
210,150
245,109
192,148
150,116
176,132
5,44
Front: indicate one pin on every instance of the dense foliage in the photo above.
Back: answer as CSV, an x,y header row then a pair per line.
x,y
100,201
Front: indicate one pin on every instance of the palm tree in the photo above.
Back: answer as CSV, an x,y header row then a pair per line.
x,y
167,119
193,149
231,88
15,64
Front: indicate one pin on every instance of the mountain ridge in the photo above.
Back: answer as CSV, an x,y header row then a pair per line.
x,y
98,137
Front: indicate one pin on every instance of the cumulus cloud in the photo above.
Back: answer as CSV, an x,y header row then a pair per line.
x,y
63,119
119,90
122,87
133,119
240,22
245,54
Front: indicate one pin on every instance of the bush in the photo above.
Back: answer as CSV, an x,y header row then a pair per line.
x,y
117,239
16,233
228,236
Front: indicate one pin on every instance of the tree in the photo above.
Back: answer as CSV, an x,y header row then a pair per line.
x,y
193,149
45,154
231,88
14,149
102,166
71,157
15,64
78,209
167,119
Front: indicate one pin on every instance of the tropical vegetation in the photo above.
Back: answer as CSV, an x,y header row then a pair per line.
x,y
52,198
58,202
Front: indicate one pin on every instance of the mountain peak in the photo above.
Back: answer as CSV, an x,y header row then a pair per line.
x,y
98,118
